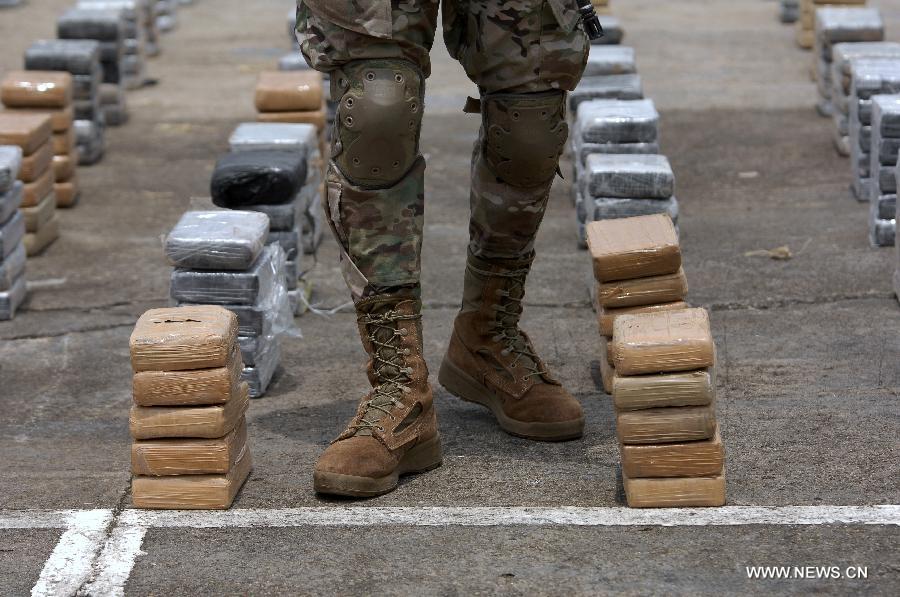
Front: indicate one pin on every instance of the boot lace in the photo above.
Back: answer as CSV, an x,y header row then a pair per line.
x,y
506,324
389,366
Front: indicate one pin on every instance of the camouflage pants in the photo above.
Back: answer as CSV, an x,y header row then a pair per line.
x,y
505,46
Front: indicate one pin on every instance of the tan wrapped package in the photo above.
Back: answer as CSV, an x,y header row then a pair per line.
x,y
156,422
674,492
67,192
687,459
662,342
36,89
60,120
164,457
64,142
607,373
191,492
35,191
638,247
26,129
317,118
64,166
189,388
289,91
37,217
36,242
606,317
666,425
639,292
661,390
36,165
183,338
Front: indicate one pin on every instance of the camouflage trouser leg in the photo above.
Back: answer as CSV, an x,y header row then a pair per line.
x,y
518,53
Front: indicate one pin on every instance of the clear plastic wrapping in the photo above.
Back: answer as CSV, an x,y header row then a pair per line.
x,y
11,234
86,23
25,129
12,299
183,338
684,459
662,342
79,57
260,376
675,492
256,177
583,150
874,77
256,349
634,176
610,60
882,220
886,116
10,163
289,91
836,24
217,240
36,89
617,121
195,387
167,457
155,422
231,287
623,87
255,136
606,208
12,267
192,492
606,317
638,292
634,247
607,373
282,216
292,61
666,425
289,240
666,390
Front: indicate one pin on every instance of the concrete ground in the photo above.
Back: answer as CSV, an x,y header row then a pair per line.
x,y
808,347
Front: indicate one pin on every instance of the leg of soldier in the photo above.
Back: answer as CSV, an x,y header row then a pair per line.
x,y
376,52
523,55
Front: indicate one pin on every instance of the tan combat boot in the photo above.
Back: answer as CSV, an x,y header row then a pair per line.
x,y
394,431
492,362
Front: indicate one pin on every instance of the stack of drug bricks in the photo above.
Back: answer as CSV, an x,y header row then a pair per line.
x,y
868,78
297,225
610,73
842,55
220,258
80,58
12,233
165,13
294,61
834,25
188,419
883,166
107,26
657,361
33,134
48,93
806,24
623,185
292,96
607,127
134,34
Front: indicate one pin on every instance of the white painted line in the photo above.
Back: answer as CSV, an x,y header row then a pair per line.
x,y
43,519
113,566
516,516
69,566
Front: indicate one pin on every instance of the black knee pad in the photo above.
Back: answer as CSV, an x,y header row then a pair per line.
x,y
524,135
378,120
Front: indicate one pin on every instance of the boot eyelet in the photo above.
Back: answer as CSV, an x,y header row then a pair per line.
x,y
370,76
398,77
349,102
513,366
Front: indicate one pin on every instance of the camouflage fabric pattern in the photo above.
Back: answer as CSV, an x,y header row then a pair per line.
x,y
509,46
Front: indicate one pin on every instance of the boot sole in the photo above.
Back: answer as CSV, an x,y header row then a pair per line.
x,y
420,459
461,385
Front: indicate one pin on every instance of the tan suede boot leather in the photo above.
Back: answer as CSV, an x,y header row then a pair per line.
x,y
394,431
492,362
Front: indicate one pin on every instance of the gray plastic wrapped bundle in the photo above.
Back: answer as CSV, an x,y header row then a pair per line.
x,y
583,150
842,55
610,60
76,56
262,136
134,14
104,25
227,287
10,162
91,141
12,299
868,77
615,126
164,12
260,376
623,87
12,267
885,141
217,240
613,33
789,11
12,232
631,176
11,200
609,208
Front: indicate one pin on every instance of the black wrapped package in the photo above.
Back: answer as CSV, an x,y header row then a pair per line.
x,y
77,56
87,23
257,177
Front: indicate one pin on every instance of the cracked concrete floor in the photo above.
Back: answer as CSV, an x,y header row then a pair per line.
x,y
808,347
